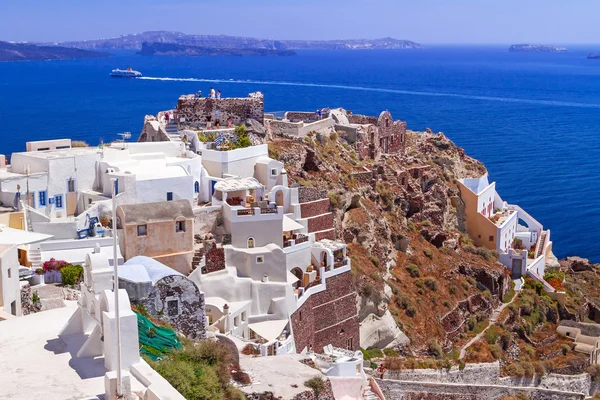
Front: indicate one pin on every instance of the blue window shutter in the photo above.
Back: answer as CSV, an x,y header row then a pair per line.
x,y
169,196
197,187
116,187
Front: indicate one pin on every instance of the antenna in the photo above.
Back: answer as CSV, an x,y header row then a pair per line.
x,y
125,136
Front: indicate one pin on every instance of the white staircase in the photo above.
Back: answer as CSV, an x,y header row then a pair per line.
x,y
35,257
369,395
172,130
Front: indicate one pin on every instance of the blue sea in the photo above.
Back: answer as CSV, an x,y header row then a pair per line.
x,y
533,119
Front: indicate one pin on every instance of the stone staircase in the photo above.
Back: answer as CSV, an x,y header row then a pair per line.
x,y
197,259
540,247
172,130
319,218
35,257
369,395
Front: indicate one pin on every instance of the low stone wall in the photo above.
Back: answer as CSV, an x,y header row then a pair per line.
x,y
488,375
362,119
26,299
423,391
296,116
215,259
306,194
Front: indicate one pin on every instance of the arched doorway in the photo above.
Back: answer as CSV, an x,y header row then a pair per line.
x,y
279,198
297,272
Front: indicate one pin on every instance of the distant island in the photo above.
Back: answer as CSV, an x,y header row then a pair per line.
x,y
30,52
535,48
136,41
174,49
593,56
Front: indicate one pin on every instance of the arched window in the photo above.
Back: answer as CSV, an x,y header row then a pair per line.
x,y
250,242
197,187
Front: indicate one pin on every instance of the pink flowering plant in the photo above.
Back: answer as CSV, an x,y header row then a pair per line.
x,y
54,265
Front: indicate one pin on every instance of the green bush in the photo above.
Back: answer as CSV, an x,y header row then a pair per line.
x,y
431,283
413,270
565,349
426,223
491,335
317,384
434,348
594,371
192,381
515,370
71,274
452,290
371,353
335,200
428,252
411,226
390,353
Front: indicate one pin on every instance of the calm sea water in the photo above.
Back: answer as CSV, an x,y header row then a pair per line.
x,y
533,119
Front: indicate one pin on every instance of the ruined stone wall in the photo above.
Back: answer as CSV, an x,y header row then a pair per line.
x,y
215,259
195,111
178,301
296,116
362,119
328,317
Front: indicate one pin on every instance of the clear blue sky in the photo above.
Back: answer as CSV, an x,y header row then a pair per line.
x,y
425,21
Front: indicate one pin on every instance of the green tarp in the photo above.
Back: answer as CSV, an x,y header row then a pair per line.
x,y
155,341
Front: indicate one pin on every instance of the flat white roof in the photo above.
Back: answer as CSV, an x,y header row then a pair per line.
x,y
37,364
59,153
330,244
19,236
476,185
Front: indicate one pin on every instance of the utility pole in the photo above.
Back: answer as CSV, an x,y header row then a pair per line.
x,y
116,284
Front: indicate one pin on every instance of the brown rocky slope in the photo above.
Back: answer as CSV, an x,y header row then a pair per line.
x,y
401,216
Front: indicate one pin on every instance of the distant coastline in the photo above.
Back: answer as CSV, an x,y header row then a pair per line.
x,y
535,48
136,41
173,49
29,52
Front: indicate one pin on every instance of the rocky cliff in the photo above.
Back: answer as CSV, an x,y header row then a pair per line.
x,y
425,290
29,52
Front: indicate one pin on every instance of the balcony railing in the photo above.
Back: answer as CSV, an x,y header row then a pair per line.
x,y
300,238
340,263
250,211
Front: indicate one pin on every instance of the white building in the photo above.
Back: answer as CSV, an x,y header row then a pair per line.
x,y
519,239
271,265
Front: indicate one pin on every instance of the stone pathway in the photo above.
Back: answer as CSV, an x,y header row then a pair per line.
x,y
493,319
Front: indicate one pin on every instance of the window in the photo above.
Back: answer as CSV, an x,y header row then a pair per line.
x,y
71,185
236,321
58,201
250,242
116,187
273,171
260,259
300,316
180,226
244,316
9,273
172,308
169,196
349,344
42,195
197,187
491,238
142,230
